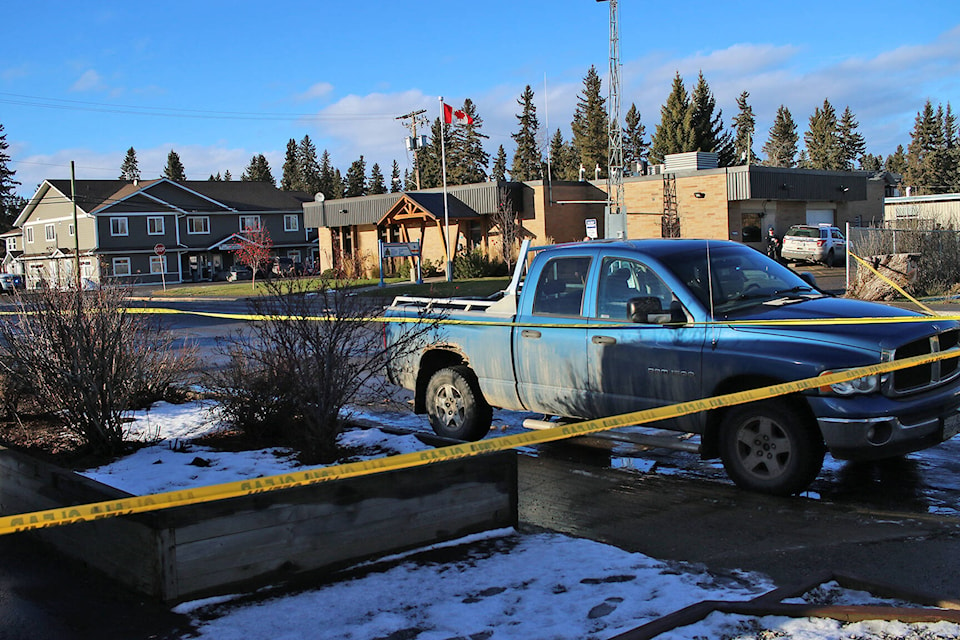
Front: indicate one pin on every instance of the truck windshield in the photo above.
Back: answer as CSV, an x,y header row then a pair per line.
x,y
738,278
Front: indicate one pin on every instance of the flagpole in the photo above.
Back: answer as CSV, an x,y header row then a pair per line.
x,y
446,209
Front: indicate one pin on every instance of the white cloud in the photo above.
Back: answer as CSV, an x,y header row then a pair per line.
x,y
90,80
319,90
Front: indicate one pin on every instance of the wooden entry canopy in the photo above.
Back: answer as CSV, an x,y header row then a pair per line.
x,y
424,208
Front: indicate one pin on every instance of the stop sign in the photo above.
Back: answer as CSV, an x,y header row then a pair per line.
x,y
159,249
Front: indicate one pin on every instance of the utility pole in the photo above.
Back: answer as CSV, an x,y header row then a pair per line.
x,y
413,142
616,222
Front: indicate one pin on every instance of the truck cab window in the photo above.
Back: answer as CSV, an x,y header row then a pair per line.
x,y
623,280
560,287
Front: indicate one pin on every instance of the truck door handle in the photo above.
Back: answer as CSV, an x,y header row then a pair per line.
x,y
604,340
530,333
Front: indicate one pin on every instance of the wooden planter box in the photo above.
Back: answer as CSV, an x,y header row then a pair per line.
x,y
200,550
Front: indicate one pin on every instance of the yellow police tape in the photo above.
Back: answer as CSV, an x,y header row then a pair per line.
x,y
141,504
893,284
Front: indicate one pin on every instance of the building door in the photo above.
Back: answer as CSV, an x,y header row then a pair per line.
x,y
817,217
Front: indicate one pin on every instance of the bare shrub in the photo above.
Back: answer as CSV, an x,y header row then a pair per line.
x,y
292,374
90,360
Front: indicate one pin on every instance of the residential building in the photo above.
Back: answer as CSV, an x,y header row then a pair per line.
x,y
933,211
152,230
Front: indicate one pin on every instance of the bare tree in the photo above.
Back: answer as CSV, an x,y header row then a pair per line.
x,y
293,373
505,219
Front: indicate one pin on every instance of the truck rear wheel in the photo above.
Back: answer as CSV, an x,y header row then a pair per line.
x,y
767,448
455,406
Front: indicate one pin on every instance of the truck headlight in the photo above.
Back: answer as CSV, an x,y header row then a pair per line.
x,y
864,385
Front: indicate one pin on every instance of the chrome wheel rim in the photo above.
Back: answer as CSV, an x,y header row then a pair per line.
x,y
763,448
449,406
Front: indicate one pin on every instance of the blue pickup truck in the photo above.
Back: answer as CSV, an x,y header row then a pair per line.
x,y
609,327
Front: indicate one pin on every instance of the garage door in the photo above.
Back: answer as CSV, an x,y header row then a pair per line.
x,y
819,216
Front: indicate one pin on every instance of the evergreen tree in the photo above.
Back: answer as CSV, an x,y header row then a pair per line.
x,y
674,134
822,139
395,184
498,172
744,124
590,126
635,146
781,147
174,169
564,163
258,171
376,185
328,178
308,170
528,159
951,152
897,161
466,159
215,178
10,202
291,173
707,126
227,176
870,162
922,171
129,169
429,157
357,179
852,144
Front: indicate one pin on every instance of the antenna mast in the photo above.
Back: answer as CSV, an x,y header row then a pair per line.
x,y
616,226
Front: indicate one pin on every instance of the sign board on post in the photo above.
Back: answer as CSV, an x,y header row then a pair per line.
x,y
591,224
159,249
400,250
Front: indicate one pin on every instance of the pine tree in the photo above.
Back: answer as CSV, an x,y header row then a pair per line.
x,y
466,159
174,169
291,174
498,172
822,139
527,160
129,169
744,124
564,163
376,185
674,134
897,161
851,142
308,170
429,157
215,178
870,162
589,126
328,181
357,179
707,126
227,176
781,147
10,202
395,184
258,171
951,152
635,146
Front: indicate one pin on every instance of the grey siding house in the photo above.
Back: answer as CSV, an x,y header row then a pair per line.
x,y
145,231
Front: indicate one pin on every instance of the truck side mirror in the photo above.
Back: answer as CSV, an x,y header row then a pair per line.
x,y
645,310
808,277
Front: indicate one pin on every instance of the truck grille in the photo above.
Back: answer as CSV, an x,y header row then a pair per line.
x,y
925,376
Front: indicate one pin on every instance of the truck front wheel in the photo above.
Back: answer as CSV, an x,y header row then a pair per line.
x,y
455,405
767,448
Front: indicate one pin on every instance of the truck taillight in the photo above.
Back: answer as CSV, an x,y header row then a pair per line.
x,y
821,242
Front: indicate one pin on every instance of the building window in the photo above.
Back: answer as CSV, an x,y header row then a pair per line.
x,y
11,244
29,231
155,225
121,266
291,222
249,222
158,264
50,232
70,230
118,227
750,227
198,224
294,255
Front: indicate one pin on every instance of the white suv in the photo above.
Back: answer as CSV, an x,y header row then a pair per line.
x,y
823,243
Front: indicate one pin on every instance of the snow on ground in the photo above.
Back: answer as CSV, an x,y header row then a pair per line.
x,y
499,585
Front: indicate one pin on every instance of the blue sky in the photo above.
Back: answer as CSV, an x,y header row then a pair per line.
x,y
219,82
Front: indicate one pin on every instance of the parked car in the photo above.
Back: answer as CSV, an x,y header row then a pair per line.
x,y
239,272
823,243
10,282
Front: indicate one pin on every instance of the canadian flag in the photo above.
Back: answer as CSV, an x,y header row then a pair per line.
x,y
449,114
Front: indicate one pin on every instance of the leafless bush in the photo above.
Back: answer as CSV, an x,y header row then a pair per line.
x,y
90,360
292,374
939,250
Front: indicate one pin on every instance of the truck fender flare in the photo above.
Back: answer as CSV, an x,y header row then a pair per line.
x,y
438,356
